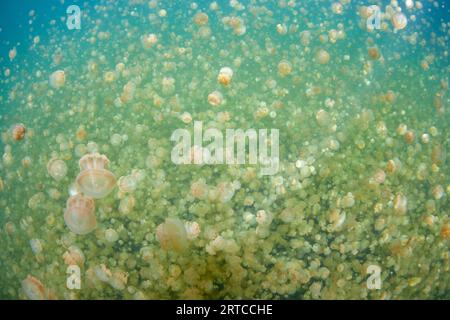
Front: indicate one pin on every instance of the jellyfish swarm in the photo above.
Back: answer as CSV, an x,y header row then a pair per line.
x,y
94,179
172,235
80,214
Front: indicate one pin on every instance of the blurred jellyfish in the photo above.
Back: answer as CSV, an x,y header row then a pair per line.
x,y
225,76
80,214
149,40
322,56
94,179
215,98
57,79
399,21
172,235
18,132
33,288
57,169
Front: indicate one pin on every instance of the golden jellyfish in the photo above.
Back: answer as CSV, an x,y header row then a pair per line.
x,y
225,75
33,288
215,98
57,79
323,118
409,137
74,256
80,214
57,169
200,19
400,204
149,41
172,235
322,56
445,231
399,21
284,68
374,53
94,179
18,132
337,8
12,53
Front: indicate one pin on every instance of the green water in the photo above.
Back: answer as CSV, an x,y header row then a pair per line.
x,y
363,143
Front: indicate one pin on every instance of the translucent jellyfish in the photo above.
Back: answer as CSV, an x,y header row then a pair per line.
x,y
337,8
74,256
57,169
225,76
80,214
200,19
323,118
399,21
284,68
128,183
33,288
36,246
94,179
374,53
192,229
18,131
127,204
409,136
400,204
172,235
322,56
118,280
149,40
199,189
57,79
379,176
111,235
215,98
12,53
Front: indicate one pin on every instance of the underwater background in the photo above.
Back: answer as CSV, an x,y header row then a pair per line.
x,y
93,207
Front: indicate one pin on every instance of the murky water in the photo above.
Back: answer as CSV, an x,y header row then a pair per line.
x,y
92,205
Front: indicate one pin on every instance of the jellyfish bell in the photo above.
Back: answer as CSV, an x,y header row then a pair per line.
x,y
322,56
80,214
74,256
399,21
215,98
201,18
18,132
172,235
94,179
149,40
225,76
33,288
284,68
57,79
57,169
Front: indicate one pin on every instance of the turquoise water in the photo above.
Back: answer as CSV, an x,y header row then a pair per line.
x,y
362,182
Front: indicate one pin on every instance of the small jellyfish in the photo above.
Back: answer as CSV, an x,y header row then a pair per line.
x,y
409,137
80,214
215,98
118,280
323,118
400,204
18,132
374,53
111,235
57,169
322,56
127,184
172,235
57,79
225,76
149,40
94,179
199,189
74,256
284,68
337,8
201,18
12,53
399,21
33,288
